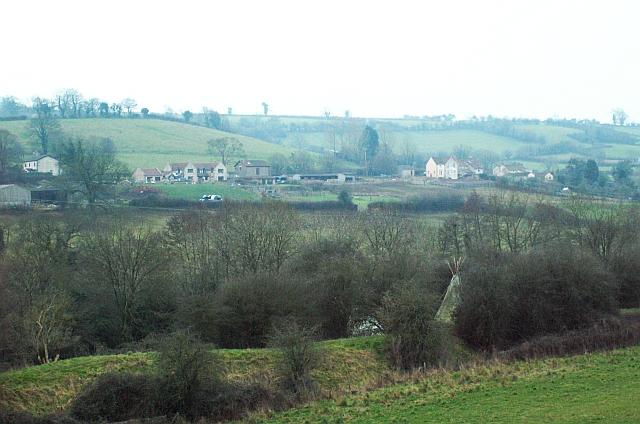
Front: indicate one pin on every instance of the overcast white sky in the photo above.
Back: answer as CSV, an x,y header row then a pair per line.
x,y
570,59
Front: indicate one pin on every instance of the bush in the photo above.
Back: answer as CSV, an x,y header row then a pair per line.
x,y
185,368
626,269
300,356
533,294
407,318
115,397
243,311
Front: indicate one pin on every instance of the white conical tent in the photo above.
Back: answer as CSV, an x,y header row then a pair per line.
x,y
452,296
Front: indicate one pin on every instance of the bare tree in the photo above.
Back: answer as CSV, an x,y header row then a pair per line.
x,y
91,169
129,105
126,261
227,148
619,116
265,236
10,152
43,129
90,107
191,236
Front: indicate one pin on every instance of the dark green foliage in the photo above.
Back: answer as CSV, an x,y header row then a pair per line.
x,y
369,142
345,197
591,172
622,171
300,356
533,294
407,318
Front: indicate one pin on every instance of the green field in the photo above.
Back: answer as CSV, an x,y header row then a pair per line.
x,y
148,143
196,191
602,387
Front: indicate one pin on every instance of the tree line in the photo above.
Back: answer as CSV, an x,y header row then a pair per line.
x,y
69,289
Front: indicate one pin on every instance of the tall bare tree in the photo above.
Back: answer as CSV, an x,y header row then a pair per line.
x,y
125,261
43,129
10,152
91,168
226,148
129,105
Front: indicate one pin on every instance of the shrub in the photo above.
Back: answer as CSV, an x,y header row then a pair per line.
x,y
407,318
243,311
115,397
185,368
300,356
626,269
533,294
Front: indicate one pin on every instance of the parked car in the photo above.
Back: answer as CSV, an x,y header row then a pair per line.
x,y
211,198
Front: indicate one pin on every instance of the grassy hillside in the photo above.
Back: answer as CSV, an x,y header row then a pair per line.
x,y
350,364
592,387
601,386
151,143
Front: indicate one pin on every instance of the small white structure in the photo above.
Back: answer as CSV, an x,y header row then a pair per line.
x,y
13,195
44,164
406,171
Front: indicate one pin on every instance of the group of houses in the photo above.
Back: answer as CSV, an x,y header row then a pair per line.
x,y
202,172
448,167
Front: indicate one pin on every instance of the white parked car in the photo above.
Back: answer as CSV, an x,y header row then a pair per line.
x,y
211,198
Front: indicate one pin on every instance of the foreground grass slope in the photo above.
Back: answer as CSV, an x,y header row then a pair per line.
x,y
592,387
602,386
350,364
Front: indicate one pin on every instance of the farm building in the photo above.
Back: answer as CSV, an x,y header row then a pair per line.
x,y
13,195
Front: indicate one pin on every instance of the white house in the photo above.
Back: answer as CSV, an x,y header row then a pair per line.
x,y
442,167
44,164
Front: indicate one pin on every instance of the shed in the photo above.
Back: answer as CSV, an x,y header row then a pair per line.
x,y
13,195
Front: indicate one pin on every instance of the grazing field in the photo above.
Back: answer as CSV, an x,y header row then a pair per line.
x,y
149,143
592,387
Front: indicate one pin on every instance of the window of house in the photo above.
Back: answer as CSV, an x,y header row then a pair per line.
x,y
257,171
190,170
220,170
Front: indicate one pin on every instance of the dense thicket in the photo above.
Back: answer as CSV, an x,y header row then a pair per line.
x,y
73,285
532,294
